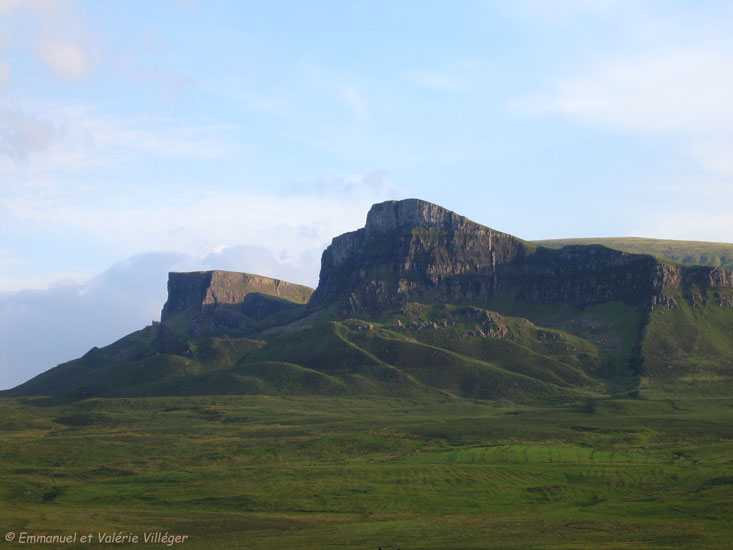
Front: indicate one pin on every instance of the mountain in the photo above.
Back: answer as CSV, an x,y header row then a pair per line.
x,y
424,303
684,252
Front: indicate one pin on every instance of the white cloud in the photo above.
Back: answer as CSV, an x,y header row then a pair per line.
x,y
66,139
302,268
194,223
676,90
292,225
64,58
680,95
57,33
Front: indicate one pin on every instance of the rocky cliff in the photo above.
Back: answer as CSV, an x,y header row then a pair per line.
x,y
219,299
413,250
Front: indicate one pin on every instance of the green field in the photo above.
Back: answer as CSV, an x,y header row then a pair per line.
x,y
330,472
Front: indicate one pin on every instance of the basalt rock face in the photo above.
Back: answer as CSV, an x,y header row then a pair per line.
x,y
226,300
412,250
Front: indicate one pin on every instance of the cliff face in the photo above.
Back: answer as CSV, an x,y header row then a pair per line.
x,y
412,250
220,299
418,250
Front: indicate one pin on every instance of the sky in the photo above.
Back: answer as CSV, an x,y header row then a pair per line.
x,y
138,138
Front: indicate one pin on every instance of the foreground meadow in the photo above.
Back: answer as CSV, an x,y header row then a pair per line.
x,y
277,472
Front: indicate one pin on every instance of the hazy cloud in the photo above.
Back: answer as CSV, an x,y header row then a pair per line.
x,y
358,103
300,268
9,6
5,74
680,94
56,32
41,328
70,318
68,138
686,224
22,133
561,9
680,90
372,185
715,155
64,58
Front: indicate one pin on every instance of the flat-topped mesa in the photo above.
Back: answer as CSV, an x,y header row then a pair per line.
x,y
212,289
412,250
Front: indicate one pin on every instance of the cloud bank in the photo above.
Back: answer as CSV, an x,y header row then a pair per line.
x,y
42,328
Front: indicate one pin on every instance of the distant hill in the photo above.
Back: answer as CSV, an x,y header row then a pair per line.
x,y
424,303
684,252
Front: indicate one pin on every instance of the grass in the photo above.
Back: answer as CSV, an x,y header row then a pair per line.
x,y
430,352
684,252
687,344
338,472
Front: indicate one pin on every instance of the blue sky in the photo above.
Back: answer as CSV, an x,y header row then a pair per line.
x,y
142,137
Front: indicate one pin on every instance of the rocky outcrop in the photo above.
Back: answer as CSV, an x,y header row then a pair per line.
x,y
226,301
211,289
413,250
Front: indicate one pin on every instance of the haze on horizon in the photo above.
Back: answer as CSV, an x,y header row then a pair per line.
x,y
138,138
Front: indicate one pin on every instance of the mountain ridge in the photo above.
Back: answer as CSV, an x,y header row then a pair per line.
x,y
424,302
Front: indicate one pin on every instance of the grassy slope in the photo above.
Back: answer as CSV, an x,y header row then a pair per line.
x,y
689,350
430,361
685,252
455,359
274,472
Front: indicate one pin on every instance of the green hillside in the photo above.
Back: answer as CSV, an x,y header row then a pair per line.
x,y
522,352
684,252
271,472
423,352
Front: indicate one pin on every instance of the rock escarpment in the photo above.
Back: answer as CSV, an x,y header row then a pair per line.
x,y
413,250
219,300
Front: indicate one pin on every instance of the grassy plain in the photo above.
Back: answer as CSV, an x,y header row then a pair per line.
x,y
270,472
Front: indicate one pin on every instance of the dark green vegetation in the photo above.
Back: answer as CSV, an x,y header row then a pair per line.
x,y
684,252
445,386
419,351
314,472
